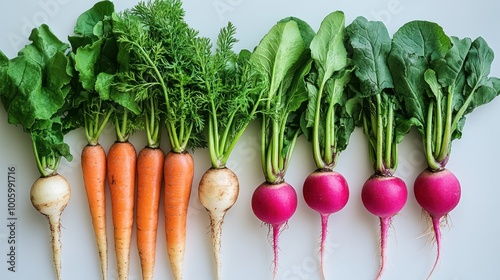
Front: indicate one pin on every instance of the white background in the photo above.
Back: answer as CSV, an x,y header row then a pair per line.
x,y
471,243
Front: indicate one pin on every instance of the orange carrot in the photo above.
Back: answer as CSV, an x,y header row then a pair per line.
x,y
178,172
149,178
121,179
94,177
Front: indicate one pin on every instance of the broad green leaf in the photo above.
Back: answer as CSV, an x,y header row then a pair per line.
x,y
86,59
450,68
422,38
278,52
478,63
327,47
87,21
371,45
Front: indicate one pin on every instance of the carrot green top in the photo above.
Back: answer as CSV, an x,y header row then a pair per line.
x,y
231,92
159,49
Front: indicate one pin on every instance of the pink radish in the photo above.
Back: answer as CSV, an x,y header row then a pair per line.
x,y
384,196
383,121
281,61
437,192
274,204
326,192
446,78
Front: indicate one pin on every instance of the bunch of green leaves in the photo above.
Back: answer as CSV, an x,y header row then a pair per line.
x,y
34,90
382,117
162,62
440,79
97,62
281,60
231,92
328,121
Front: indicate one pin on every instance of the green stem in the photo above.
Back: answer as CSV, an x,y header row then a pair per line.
x,y
438,137
263,145
275,144
380,137
447,129
433,165
389,135
366,131
238,135
211,145
121,128
290,152
224,141
320,164
329,136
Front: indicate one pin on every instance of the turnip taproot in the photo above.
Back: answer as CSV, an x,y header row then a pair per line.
x,y
282,60
328,122
439,79
34,89
383,122
50,195
218,191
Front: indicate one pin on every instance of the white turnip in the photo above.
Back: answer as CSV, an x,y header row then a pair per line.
x,y
218,191
50,195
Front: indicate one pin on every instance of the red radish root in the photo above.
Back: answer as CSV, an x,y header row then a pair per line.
x,y
274,204
438,193
384,197
326,192
50,195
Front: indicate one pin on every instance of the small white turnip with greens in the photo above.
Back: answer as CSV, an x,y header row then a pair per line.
x,y
440,79
232,100
383,123
282,59
34,88
327,122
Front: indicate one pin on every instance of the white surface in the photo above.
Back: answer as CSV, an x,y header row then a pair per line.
x,y
471,247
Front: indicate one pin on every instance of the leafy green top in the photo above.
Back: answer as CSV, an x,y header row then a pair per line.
x,y
34,87
382,118
328,121
282,59
94,52
441,79
231,91
160,48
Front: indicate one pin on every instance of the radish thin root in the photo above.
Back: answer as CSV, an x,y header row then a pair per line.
x,y
385,223
276,231
437,233
324,232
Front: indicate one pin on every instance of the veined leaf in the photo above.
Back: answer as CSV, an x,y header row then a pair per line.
x,y
371,45
327,47
278,52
